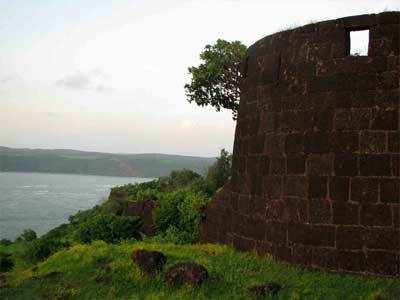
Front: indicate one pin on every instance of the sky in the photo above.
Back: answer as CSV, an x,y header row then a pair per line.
x,y
108,76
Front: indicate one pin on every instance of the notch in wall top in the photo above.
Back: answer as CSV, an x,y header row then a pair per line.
x,y
357,42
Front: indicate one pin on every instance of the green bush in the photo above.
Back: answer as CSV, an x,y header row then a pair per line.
x,y
178,179
173,235
180,212
220,171
6,262
40,249
27,235
84,215
109,228
5,242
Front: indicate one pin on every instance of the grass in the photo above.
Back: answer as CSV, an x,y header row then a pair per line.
x,y
104,271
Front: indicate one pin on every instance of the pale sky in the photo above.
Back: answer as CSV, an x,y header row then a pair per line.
x,y
108,76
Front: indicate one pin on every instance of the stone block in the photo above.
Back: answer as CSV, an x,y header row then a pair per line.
x,y
395,165
373,142
277,165
346,164
273,186
274,143
318,187
319,164
296,186
356,119
344,142
323,119
350,237
294,143
320,211
316,142
302,255
376,215
339,188
375,165
325,258
364,189
345,213
382,238
296,164
394,142
382,262
385,119
390,190
276,233
351,261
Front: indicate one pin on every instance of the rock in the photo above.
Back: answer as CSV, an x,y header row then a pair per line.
x,y
186,273
149,262
262,290
143,209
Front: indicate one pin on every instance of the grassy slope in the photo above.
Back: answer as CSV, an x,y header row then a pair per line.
x,y
102,271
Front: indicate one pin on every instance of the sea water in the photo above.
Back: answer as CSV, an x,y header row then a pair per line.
x,y
43,201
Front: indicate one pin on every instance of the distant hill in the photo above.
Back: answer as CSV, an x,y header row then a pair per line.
x,y
96,163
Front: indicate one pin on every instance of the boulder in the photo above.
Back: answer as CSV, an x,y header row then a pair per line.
x,y
143,209
186,273
260,291
149,262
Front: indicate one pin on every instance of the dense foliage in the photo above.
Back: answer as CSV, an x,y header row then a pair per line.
x,y
109,228
6,262
27,235
5,242
216,81
178,214
180,199
40,249
220,171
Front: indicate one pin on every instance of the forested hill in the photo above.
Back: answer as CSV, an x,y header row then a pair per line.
x,y
96,163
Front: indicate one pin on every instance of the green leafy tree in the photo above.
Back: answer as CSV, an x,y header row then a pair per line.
x,y
27,235
216,81
220,171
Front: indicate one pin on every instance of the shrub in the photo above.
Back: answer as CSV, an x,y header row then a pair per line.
x,y
6,262
109,228
173,235
83,215
180,212
27,235
220,171
40,249
178,179
5,242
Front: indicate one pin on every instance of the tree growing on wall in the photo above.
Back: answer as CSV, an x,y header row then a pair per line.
x,y
216,81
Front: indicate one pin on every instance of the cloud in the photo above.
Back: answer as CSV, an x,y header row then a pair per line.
x,y
9,78
93,80
53,114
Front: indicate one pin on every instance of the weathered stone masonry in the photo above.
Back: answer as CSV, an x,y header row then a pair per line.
x,y
315,177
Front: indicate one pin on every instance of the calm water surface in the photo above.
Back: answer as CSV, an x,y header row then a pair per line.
x,y
43,201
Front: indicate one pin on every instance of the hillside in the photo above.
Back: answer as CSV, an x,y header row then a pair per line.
x,y
96,163
104,271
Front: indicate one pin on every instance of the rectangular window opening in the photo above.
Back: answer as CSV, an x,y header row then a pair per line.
x,y
359,42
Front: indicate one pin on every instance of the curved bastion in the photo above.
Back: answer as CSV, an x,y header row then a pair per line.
x,y
315,174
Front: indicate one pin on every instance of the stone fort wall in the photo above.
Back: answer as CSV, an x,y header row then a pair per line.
x,y
315,175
